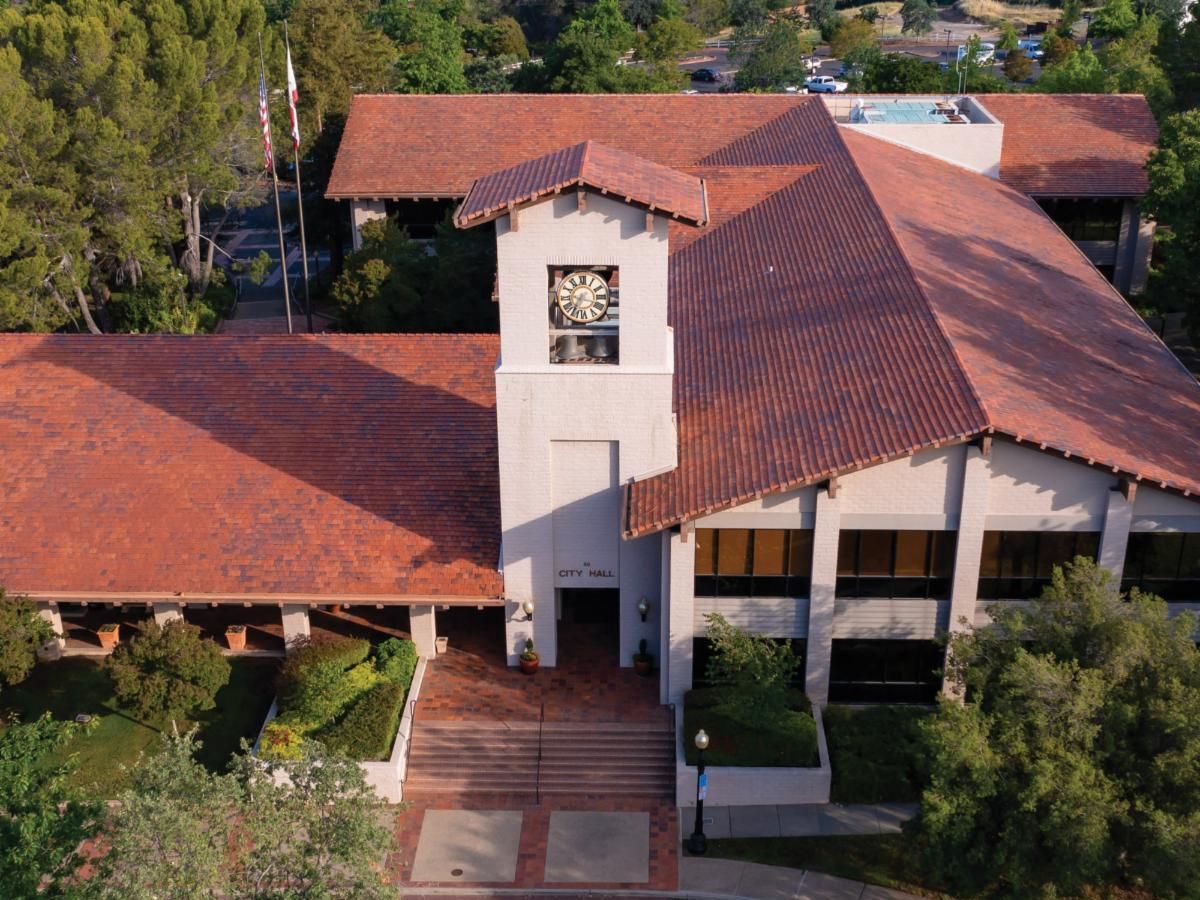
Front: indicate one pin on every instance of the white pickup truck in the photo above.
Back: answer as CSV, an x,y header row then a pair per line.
x,y
826,84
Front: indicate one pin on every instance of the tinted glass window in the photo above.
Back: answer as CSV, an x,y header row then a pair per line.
x,y
885,671
895,564
1164,563
741,562
1017,565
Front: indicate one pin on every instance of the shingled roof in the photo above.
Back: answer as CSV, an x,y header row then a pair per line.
x,y
1075,145
354,467
586,165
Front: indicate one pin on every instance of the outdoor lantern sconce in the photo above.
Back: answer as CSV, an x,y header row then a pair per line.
x,y
527,608
643,608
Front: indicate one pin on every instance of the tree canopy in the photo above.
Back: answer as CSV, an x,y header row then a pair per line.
x,y
1174,201
777,61
22,632
1076,760
168,671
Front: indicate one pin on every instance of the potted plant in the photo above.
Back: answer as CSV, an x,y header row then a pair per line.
x,y
643,661
109,635
235,637
529,659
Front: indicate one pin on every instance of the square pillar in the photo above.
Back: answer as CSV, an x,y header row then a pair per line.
x,y
423,625
295,624
50,612
679,563
819,651
361,212
1118,518
166,612
968,553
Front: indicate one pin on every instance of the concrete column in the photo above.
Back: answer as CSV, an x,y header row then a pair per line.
x,y
1139,267
964,589
1118,518
819,650
295,623
423,625
361,212
51,614
679,560
1126,241
165,612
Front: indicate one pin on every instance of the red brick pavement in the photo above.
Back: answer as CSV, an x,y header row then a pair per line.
x,y
472,680
535,834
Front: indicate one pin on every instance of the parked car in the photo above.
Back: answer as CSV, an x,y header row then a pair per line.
x,y
813,64
709,75
825,84
1032,47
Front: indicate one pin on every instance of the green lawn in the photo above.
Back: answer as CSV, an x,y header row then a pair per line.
x,y
884,859
792,741
79,685
876,752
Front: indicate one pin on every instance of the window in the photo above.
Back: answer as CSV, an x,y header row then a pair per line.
x,y
1017,565
895,564
1086,219
885,671
753,562
1166,564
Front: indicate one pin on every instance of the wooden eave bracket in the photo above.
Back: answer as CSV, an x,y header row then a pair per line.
x,y
832,487
1128,489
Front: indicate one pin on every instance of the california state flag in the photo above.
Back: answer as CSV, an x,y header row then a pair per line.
x,y
293,96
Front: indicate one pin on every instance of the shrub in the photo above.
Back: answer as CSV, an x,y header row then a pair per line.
x,y
168,671
396,660
789,739
315,684
878,753
755,672
22,631
281,740
366,732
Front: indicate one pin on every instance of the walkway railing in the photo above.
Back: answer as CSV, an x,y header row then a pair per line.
x,y
537,784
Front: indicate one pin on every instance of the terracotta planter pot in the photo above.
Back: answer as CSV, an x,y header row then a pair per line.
x,y
235,637
529,666
109,635
643,665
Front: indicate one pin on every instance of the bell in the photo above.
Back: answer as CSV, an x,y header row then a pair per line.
x,y
568,347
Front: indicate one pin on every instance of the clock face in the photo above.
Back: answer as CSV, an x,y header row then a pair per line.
x,y
583,297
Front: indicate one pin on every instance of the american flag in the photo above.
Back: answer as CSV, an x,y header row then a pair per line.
x,y
264,116
293,97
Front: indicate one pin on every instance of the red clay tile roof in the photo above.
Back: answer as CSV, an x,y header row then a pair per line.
x,y
345,466
1074,145
418,145
590,165
1055,354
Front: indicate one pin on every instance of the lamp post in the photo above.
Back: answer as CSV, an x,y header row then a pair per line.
x,y
697,844
948,33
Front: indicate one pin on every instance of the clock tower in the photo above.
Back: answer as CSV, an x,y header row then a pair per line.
x,y
584,381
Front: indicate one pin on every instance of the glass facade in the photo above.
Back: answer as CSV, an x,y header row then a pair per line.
x,y
1086,219
1166,564
1017,565
895,564
753,562
885,671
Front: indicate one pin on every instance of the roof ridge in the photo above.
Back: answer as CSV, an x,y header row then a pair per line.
x,y
911,270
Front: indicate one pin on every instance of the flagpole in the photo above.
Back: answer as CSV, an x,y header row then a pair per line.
x,y
299,196
262,71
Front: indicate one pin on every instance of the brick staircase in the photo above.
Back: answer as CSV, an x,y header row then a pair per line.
x,y
613,759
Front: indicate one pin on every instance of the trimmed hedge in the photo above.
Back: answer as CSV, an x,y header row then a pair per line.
x,y
790,741
366,732
397,660
315,685
877,753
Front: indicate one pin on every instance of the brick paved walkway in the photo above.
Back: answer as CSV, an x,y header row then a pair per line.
x,y
472,681
535,832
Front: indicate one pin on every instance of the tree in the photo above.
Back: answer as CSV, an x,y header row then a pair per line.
x,y
710,16
917,16
336,54
505,38
851,35
1131,67
1076,760
1173,200
168,671
1115,19
1017,66
868,14
490,74
754,674
22,632
1057,49
1009,39
664,42
894,73
182,831
1072,12
752,14
778,61
584,58
430,44
42,819
821,13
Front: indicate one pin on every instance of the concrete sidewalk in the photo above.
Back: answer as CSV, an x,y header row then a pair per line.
x,y
704,877
801,820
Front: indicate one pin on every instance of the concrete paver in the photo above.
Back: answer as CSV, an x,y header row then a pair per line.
x,y
586,846
751,881
468,845
819,886
844,820
754,821
710,876
892,815
716,822
769,882
799,820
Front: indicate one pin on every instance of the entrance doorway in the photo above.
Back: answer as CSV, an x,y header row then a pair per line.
x,y
590,622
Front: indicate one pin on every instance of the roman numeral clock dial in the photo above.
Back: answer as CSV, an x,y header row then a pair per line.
x,y
583,297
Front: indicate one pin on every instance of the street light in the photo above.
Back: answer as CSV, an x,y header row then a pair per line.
x,y
948,33
697,844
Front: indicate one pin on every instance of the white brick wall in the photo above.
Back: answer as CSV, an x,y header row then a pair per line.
x,y
821,598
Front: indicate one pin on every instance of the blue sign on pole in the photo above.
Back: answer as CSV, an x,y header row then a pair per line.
x,y
702,787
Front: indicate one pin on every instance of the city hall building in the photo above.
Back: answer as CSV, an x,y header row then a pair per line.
x,y
827,368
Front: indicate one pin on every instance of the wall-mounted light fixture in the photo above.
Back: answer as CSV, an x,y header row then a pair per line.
x,y
527,608
643,608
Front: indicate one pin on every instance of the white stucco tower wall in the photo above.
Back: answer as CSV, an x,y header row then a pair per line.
x,y
571,434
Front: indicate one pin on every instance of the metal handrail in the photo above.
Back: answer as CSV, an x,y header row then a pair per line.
x,y
537,784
